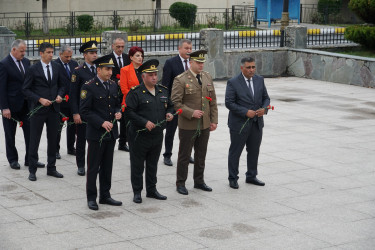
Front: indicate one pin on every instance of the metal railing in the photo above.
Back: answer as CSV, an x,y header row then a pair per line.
x,y
326,36
251,39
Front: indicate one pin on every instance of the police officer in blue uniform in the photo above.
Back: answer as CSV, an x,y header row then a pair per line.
x,y
82,74
147,105
100,108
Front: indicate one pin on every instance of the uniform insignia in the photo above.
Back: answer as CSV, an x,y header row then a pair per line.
x,y
191,80
97,83
135,87
144,92
187,85
74,77
160,90
162,86
83,94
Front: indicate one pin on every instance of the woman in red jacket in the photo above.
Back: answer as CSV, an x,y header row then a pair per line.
x,y
129,75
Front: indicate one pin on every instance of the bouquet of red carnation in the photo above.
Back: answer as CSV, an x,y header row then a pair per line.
x,y
247,120
32,112
106,132
19,122
118,76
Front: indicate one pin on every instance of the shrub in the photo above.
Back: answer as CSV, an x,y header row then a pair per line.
x,y
328,7
364,35
135,25
211,21
85,22
184,13
365,9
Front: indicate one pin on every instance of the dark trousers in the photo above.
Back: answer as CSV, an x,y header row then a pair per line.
x,y
70,131
200,149
122,138
99,159
144,150
81,145
10,128
51,118
252,138
170,131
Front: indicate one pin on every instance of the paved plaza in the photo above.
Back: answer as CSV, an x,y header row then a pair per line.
x,y
317,160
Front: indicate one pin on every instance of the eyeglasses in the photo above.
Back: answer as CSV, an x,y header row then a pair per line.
x,y
250,67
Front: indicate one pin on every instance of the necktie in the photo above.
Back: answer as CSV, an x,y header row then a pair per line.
x,y
93,69
186,66
199,79
21,69
49,75
67,69
119,62
106,85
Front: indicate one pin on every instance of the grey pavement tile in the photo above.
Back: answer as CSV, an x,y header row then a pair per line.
x,y
365,244
367,207
63,223
113,246
43,182
38,211
62,194
10,187
7,216
16,231
164,242
21,199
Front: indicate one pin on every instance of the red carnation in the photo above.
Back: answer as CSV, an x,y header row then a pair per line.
x,y
66,98
21,123
123,108
179,111
208,98
118,76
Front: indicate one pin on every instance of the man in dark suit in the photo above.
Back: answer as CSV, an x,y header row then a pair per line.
x,y
68,65
173,67
246,98
120,59
99,106
44,85
80,76
12,101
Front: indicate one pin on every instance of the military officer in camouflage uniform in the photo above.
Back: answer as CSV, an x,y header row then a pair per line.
x,y
193,91
82,74
147,106
100,108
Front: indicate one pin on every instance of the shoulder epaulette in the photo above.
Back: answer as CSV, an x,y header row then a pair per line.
x,y
180,75
135,87
78,67
162,86
90,81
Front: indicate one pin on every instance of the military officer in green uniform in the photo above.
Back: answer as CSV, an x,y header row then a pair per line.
x,y
147,106
193,91
82,74
100,108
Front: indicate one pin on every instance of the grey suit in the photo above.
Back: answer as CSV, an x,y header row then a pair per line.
x,y
238,99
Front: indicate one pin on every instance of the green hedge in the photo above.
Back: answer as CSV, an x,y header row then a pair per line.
x,y
184,13
365,9
364,35
85,22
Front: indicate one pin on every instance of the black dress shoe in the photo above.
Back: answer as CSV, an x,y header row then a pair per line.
x,y
233,184
58,156
81,171
93,205
54,173
32,177
38,164
168,161
15,165
191,160
255,181
156,195
203,187
123,147
182,190
72,152
137,198
110,201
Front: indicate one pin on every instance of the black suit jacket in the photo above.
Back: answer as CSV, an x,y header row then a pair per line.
x,y
172,68
98,105
116,69
72,65
36,85
11,81
239,100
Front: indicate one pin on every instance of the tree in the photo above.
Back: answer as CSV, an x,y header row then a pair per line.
x,y
45,16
